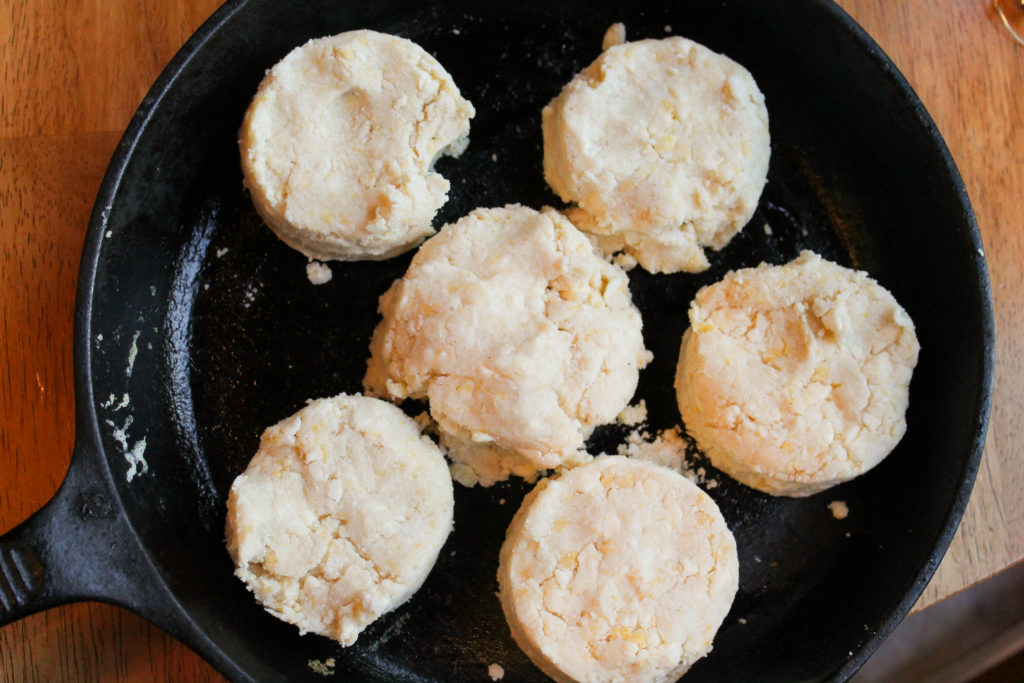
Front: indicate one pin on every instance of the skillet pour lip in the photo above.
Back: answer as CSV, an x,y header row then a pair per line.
x,y
200,630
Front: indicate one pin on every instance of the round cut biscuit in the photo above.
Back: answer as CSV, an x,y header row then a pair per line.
x,y
519,335
338,145
617,570
340,515
663,145
795,378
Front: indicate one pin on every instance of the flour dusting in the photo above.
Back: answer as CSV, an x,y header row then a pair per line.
x,y
133,456
133,351
324,668
667,448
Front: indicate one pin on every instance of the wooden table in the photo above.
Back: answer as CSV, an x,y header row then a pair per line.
x,y
73,73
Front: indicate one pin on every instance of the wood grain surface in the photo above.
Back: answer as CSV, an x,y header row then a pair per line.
x,y
73,74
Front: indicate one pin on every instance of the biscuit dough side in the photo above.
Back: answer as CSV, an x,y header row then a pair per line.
x,y
663,146
796,378
618,570
340,515
338,145
518,334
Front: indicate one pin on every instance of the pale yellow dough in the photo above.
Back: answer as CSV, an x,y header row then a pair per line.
x,y
521,337
340,515
796,378
617,571
663,146
339,143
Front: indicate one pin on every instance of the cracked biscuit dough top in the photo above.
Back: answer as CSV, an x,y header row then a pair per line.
x,y
340,515
338,145
795,378
519,335
663,146
617,570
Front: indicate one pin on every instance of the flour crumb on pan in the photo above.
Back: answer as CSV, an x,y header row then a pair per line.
x,y
318,273
839,509
339,143
795,378
663,147
340,515
520,336
617,570
632,415
615,35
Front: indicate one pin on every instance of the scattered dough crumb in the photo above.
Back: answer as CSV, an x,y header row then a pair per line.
x,y
615,35
496,672
669,449
463,474
426,422
221,252
633,415
624,261
839,509
767,229
324,668
318,273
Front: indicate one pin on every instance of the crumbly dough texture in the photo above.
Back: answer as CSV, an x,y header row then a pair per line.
x,y
663,146
795,378
339,143
340,515
617,570
520,336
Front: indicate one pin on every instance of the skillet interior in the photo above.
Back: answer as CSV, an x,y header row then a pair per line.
x,y
208,324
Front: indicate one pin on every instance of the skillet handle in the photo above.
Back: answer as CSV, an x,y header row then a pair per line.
x,y
78,546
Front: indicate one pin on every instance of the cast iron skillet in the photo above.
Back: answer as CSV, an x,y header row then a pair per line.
x,y
196,328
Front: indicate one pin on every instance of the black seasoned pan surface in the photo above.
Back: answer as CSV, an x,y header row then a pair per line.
x,y
197,328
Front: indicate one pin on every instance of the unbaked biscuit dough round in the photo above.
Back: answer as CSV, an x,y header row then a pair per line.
x,y
339,143
520,336
340,515
796,378
617,570
663,146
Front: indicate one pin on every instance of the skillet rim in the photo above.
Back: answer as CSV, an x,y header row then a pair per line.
x,y
957,507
